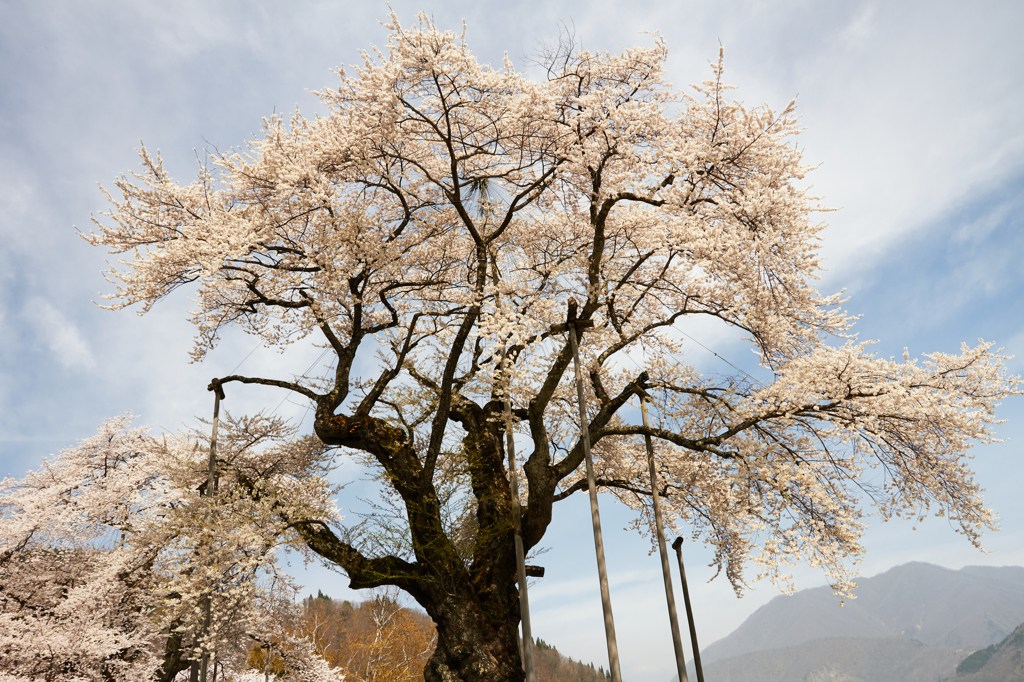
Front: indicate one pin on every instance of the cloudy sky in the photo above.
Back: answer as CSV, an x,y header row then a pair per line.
x,y
911,109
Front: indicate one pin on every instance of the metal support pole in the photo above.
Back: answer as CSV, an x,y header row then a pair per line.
x,y
513,481
666,571
571,325
211,488
677,545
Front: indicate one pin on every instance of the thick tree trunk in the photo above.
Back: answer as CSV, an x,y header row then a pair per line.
x,y
175,658
472,646
474,604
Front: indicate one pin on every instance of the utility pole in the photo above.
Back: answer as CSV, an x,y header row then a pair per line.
x,y
678,547
211,488
572,325
513,481
666,571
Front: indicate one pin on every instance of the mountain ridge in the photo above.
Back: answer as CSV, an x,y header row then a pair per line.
x,y
841,659
968,608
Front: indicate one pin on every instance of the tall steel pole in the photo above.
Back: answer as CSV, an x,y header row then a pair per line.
x,y
677,545
571,325
666,571
513,481
211,485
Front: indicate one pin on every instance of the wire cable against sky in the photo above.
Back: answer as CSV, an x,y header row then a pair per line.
x,y
308,369
690,336
246,358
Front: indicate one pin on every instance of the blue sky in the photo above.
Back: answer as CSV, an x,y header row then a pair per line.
x,y
912,110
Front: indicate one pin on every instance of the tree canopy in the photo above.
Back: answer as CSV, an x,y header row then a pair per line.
x,y
439,218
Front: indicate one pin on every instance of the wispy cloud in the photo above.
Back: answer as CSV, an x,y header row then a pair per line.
x,y
59,334
858,31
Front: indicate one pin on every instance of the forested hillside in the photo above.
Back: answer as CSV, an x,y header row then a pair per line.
x,y
381,641
551,666
1002,662
375,641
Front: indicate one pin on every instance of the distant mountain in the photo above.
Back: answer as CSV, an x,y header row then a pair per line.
x,y
939,607
1003,662
840,659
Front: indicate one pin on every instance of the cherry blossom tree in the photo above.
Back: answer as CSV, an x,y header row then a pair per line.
x,y
437,221
70,608
109,550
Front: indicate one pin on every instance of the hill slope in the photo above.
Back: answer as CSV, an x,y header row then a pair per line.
x,y
1003,662
552,666
381,637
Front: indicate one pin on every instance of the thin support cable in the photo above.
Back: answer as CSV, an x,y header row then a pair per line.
x,y
308,369
246,358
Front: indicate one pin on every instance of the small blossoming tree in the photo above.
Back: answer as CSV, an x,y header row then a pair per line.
x,y
110,551
438,219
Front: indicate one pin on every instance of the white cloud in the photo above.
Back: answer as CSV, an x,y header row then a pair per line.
x,y
17,199
59,334
981,228
859,30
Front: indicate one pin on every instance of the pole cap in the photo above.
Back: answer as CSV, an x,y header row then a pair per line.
x,y
217,388
571,320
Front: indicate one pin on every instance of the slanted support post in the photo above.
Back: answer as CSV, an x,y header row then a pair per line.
x,y
513,481
666,571
678,547
572,325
